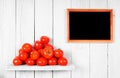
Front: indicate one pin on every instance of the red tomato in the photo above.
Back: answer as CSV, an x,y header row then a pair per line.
x,y
62,61
47,53
40,51
34,55
52,61
41,61
38,45
33,49
44,40
58,53
17,57
49,46
23,56
17,61
30,62
27,47
21,51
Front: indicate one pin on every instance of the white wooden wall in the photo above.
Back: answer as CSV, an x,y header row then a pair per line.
x,y
26,20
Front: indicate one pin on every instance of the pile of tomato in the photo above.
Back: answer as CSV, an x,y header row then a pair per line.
x,y
42,53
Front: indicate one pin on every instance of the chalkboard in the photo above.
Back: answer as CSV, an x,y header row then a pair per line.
x,y
90,25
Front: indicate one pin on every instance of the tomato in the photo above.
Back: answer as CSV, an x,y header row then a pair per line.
x,y
38,45
47,53
49,46
17,61
30,62
34,55
33,49
62,61
27,47
40,51
41,61
52,61
17,57
23,56
21,51
58,53
44,40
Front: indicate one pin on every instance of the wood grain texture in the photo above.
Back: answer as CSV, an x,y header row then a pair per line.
x,y
80,57
80,4
43,26
8,36
80,51
113,48
24,29
60,37
98,51
40,68
1,38
101,4
92,60
98,60
114,4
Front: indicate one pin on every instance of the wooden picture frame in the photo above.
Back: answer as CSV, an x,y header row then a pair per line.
x,y
106,25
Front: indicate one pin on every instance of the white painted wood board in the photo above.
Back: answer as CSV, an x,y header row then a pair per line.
x,y
80,4
98,51
60,37
114,48
114,4
17,23
99,4
24,29
43,27
80,51
1,38
40,68
7,35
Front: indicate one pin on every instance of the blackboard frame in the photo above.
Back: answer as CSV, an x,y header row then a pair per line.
x,y
89,10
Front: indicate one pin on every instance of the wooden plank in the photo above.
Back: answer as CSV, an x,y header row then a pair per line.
x,y
98,51
80,57
1,38
98,60
80,4
114,50
60,25
99,4
80,51
43,26
7,36
40,68
114,4
24,29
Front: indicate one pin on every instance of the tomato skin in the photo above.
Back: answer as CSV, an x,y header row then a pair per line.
x,y
38,45
17,61
41,61
47,53
44,39
62,61
48,46
40,51
52,61
23,56
17,57
30,62
34,55
58,53
21,51
27,47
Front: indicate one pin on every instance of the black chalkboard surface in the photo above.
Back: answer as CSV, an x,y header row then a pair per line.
x,y
90,25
